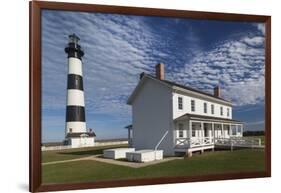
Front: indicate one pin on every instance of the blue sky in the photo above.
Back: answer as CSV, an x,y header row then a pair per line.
x,y
198,53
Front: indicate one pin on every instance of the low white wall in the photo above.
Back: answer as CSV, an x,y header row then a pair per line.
x,y
97,144
82,142
61,147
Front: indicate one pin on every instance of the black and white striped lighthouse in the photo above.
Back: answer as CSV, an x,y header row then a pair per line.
x,y
75,109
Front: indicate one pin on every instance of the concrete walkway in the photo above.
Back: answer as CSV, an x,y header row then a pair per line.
x,y
133,164
65,161
99,158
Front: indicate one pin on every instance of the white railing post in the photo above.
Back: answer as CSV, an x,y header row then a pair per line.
x,y
202,134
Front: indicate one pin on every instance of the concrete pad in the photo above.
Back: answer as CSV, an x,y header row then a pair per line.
x,y
146,155
117,153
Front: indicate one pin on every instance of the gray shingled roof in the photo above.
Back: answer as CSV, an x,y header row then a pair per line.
x,y
192,89
187,88
171,84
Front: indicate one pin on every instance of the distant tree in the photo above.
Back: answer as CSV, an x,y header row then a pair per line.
x,y
253,133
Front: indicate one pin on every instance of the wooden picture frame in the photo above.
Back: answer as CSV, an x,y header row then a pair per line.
x,y
35,92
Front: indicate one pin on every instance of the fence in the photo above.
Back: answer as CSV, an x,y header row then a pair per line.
x,y
97,144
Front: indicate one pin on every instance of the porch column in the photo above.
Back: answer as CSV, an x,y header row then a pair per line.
x,y
241,130
129,136
202,133
213,131
229,125
190,132
236,129
222,130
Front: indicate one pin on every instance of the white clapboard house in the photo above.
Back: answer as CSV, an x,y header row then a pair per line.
x,y
192,119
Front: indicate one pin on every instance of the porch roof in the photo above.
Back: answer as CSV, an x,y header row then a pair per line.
x,y
194,117
129,126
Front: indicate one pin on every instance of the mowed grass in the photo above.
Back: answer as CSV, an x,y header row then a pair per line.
x,y
243,160
49,156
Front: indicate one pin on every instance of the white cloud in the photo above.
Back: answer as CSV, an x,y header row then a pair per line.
x,y
236,65
261,27
254,41
118,48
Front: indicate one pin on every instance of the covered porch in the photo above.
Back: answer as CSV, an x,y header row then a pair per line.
x,y
202,132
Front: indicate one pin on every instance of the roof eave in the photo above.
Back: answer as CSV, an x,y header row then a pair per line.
x,y
141,82
132,96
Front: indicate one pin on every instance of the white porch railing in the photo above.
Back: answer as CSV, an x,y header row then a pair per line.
x,y
205,141
239,142
193,142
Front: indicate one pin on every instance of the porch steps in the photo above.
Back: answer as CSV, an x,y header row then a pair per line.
x,y
193,149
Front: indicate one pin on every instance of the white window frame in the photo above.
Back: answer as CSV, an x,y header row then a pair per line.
x,y
205,106
221,110
233,130
192,106
180,130
212,109
180,105
239,129
193,132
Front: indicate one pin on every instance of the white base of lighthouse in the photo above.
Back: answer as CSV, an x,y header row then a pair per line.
x,y
81,142
76,140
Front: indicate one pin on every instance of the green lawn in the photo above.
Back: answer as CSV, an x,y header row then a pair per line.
x,y
49,156
209,163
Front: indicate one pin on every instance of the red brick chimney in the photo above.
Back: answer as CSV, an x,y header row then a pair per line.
x,y
217,92
159,68
141,75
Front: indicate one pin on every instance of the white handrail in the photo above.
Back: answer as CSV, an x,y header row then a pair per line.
x,y
165,134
